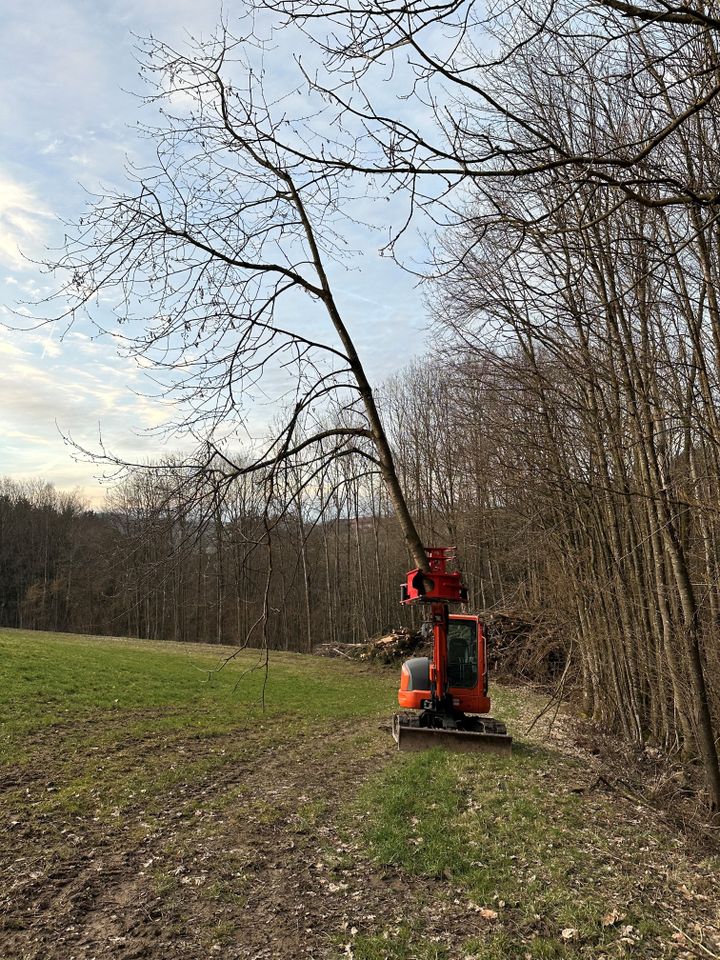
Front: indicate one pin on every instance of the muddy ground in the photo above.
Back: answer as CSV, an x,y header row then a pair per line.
x,y
247,863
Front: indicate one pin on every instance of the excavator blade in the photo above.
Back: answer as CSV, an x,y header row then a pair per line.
x,y
489,737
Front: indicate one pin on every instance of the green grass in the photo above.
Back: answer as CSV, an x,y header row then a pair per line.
x,y
509,833
48,678
118,741
81,698
396,945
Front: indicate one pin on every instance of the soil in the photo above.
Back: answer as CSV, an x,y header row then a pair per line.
x,y
249,860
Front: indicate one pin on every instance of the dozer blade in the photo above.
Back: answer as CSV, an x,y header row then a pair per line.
x,y
410,737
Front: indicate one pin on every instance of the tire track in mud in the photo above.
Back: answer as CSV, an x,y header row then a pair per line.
x,y
252,857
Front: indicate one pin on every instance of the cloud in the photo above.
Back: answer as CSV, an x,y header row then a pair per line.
x,y
23,222
54,390
64,118
8,349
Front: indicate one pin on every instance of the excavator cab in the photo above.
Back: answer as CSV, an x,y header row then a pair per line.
x,y
464,639
467,670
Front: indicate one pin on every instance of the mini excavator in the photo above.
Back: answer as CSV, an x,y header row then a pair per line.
x,y
445,695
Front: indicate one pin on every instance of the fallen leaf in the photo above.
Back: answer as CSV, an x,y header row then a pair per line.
x,y
610,919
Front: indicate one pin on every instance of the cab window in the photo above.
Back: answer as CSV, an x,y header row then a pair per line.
x,y
462,653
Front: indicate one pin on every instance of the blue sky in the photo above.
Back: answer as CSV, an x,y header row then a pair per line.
x,y
67,123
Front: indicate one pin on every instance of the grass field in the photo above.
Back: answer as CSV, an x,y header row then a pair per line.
x,y
154,808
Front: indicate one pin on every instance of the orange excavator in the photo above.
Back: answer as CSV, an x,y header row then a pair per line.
x,y
445,696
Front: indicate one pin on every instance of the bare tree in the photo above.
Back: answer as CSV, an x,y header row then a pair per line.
x,y
603,315
207,262
465,62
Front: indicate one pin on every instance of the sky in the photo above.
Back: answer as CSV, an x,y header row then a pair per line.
x,y
68,115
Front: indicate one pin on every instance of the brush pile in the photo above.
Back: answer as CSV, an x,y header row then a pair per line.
x,y
526,648
389,648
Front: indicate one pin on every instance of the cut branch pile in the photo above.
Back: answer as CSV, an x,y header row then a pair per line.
x,y
389,648
519,648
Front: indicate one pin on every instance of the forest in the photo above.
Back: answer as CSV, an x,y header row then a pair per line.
x,y
570,508
562,431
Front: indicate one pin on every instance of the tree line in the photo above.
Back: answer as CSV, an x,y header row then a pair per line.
x,y
173,554
569,504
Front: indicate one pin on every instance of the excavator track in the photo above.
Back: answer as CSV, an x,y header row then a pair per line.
x,y
411,732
